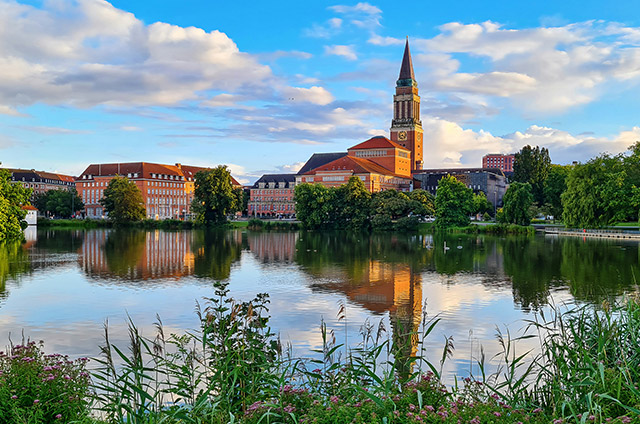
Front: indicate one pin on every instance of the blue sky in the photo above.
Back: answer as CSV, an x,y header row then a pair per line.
x,y
260,86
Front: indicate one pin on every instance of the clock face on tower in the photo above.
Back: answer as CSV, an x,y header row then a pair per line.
x,y
402,135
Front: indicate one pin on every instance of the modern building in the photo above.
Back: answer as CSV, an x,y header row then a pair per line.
x,y
491,182
167,190
41,181
272,196
496,160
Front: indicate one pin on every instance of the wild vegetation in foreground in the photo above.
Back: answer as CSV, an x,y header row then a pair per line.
x,y
233,370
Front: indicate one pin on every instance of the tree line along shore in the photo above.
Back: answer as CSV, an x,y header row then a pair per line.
x,y
600,192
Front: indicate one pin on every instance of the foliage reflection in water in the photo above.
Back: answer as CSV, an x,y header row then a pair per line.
x,y
479,282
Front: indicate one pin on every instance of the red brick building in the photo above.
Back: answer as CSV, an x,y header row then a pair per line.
x,y
496,160
272,196
380,163
167,190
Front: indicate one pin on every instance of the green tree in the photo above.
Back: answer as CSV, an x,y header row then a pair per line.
x,y
214,196
391,203
422,203
481,204
454,203
532,165
314,204
59,203
352,204
599,192
123,201
12,198
517,203
554,186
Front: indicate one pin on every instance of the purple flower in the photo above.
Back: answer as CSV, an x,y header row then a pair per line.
x,y
58,416
36,401
14,397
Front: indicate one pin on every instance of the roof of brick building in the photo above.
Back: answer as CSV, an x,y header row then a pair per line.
x,y
378,142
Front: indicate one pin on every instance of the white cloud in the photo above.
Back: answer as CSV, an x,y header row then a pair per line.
x,y
542,70
363,15
328,29
131,128
378,40
316,95
88,52
292,168
8,110
223,100
503,84
335,22
448,144
341,50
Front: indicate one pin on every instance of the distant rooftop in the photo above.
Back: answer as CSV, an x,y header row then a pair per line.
x,y
319,159
377,142
497,171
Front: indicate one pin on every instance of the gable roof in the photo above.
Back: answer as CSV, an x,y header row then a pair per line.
x,y
319,159
276,178
145,169
356,165
377,142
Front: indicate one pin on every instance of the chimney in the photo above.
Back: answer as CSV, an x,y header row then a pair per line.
x,y
179,165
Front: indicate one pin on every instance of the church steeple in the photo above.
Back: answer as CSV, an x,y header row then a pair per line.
x,y
406,126
407,77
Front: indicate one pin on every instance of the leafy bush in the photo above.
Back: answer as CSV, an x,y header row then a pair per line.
x,y
39,388
382,222
405,224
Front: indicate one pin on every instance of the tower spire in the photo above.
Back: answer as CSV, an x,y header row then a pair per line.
x,y
407,77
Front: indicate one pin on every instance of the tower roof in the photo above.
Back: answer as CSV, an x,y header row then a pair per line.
x,y
406,70
407,77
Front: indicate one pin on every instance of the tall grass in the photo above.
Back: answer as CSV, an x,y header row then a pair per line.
x,y
234,369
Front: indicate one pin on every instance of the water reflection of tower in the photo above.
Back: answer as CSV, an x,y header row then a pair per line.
x,y
273,247
137,255
388,287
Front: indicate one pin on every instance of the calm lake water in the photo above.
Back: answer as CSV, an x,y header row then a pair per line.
x,y
63,285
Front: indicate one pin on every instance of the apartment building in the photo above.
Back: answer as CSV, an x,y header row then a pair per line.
x,y
167,190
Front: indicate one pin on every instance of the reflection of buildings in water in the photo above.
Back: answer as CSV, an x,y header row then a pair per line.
x,y
137,255
388,287
30,235
273,247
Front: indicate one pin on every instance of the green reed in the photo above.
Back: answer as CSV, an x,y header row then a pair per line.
x,y
233,369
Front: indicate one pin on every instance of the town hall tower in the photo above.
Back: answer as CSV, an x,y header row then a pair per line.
x,y
406,126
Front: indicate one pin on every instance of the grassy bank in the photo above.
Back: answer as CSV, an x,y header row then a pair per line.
x,y
260,225
498,229
150,224
233,370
